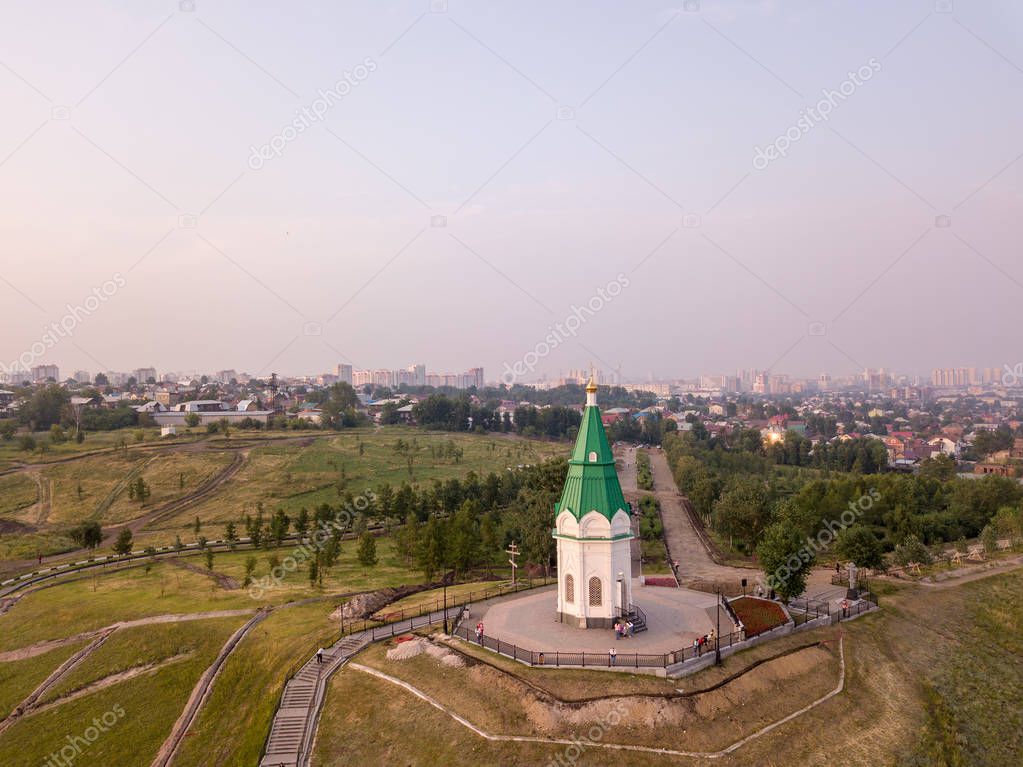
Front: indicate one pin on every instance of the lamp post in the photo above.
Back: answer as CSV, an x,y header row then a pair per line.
x,y
445,607
717,635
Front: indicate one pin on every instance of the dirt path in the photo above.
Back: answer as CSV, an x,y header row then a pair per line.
x,y
197,496
626,460
107,681
974,574
39,648
201,692
225,582
684,542
200,494
63,670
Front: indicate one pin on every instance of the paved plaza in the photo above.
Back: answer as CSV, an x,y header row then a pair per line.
x,y
675,617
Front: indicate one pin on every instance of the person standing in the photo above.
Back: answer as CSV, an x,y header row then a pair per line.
x,y
611,655
319,655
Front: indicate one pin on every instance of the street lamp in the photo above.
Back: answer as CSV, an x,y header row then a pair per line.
x,y
717,635
445,607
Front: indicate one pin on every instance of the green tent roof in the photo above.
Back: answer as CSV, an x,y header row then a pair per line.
x,y
592,482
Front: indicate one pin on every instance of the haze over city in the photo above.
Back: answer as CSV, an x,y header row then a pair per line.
x,y
477,173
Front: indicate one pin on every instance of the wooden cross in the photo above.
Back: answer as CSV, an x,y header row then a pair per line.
x,y
513,550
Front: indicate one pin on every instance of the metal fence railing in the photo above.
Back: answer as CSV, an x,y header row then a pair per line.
x,y
582,659
453,605
802,611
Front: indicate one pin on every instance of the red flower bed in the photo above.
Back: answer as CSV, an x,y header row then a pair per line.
x,y
758,615
652,581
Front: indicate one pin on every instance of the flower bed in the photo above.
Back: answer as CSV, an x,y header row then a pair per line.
x,y
758,615
651,580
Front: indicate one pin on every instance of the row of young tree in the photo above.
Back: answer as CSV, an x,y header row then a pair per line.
x,y
457,525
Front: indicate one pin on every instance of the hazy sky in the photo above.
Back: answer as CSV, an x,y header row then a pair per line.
x,y
568,145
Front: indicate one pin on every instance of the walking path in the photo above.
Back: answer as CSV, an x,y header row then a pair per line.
x,y
293,731
684,542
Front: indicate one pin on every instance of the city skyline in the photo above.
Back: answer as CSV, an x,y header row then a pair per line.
x,y
716,178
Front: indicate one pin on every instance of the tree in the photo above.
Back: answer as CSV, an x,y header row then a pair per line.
x,y
250,567
859,545
57,435
912,550
464,537
367,550
123,544
279,525
45,407
430,549
941,468
785,559
989,539
192,420
88,535
490,543
302,523
209,559
742,511
231,535
138,490
313,572
7,430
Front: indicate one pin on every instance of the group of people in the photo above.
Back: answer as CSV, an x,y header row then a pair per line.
x,y
623,629
704,642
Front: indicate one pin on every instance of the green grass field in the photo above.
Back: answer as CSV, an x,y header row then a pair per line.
x,y
97,601
138,647
286,470
232,727
19,678
150,703
292,477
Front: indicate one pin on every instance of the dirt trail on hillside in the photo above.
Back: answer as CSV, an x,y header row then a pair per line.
x,y
30,651
107,681
224,581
